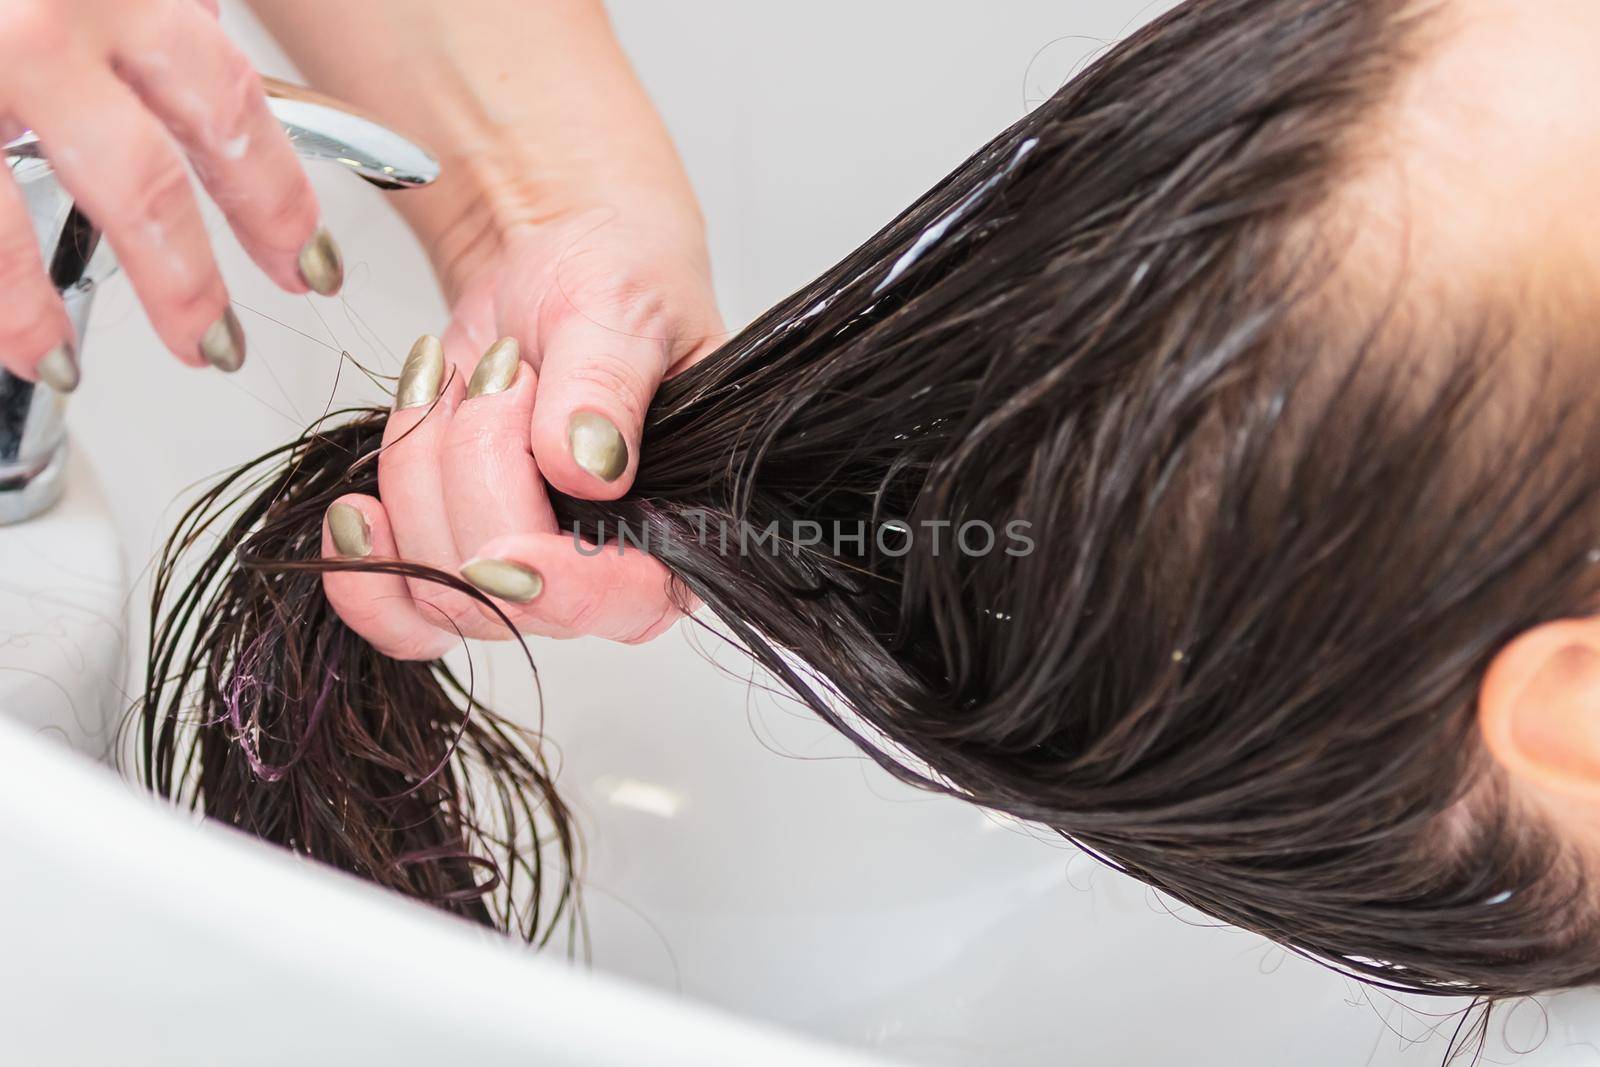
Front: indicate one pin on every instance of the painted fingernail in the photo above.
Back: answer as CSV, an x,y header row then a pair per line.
x,y
422,375
58,369
597,445
223,344
504,579
497,369
321,265
352,536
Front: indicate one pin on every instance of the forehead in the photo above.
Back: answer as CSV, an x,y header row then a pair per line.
x,y
1496,127
1480,175
1507,74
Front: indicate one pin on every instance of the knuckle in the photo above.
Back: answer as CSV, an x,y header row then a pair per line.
x,y
29,315
466,456
616,291
193,296
188,285
290,211
28,331
637,302
634,304
453,613
615,377
239,101
420,646
160,192
433,602
658,626
405,649
582,611
20,266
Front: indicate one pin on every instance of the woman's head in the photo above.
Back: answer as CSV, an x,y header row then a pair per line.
x,y
1269,327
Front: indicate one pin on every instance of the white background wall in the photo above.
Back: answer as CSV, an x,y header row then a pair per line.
x,y
733,856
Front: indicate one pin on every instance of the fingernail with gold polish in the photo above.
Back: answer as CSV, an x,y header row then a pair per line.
x,y
504,579
422,375
352,536
58,369
223,343
597,445
321,265
497,369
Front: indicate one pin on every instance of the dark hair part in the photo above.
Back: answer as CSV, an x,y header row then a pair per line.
x,y
1271,560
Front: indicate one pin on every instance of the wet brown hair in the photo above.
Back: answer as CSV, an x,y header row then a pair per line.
x,y
1269,562
266,712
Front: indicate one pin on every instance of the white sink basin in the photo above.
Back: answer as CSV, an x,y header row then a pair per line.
x,y
63,618
130,934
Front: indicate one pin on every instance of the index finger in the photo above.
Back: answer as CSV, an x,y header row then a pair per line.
x,y
211,99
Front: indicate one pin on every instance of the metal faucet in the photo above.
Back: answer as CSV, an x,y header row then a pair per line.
x,y
33,443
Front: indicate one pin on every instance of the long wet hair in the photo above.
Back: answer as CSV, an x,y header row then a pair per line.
x,y
265,711
1265,564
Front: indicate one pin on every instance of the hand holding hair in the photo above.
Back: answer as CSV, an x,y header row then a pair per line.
x,y
482,420
563,221
461,492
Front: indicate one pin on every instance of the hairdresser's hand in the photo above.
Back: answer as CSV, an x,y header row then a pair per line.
x,y
563,220
120,92
545,373
603,308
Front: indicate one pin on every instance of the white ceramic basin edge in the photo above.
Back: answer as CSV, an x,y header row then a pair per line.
x,y
133,936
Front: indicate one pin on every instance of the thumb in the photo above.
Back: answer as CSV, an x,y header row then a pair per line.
x,y
595,384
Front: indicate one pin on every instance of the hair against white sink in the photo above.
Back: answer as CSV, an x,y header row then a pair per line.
x,y
740,854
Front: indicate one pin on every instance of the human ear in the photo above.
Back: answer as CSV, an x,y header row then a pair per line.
x,y
1539,708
